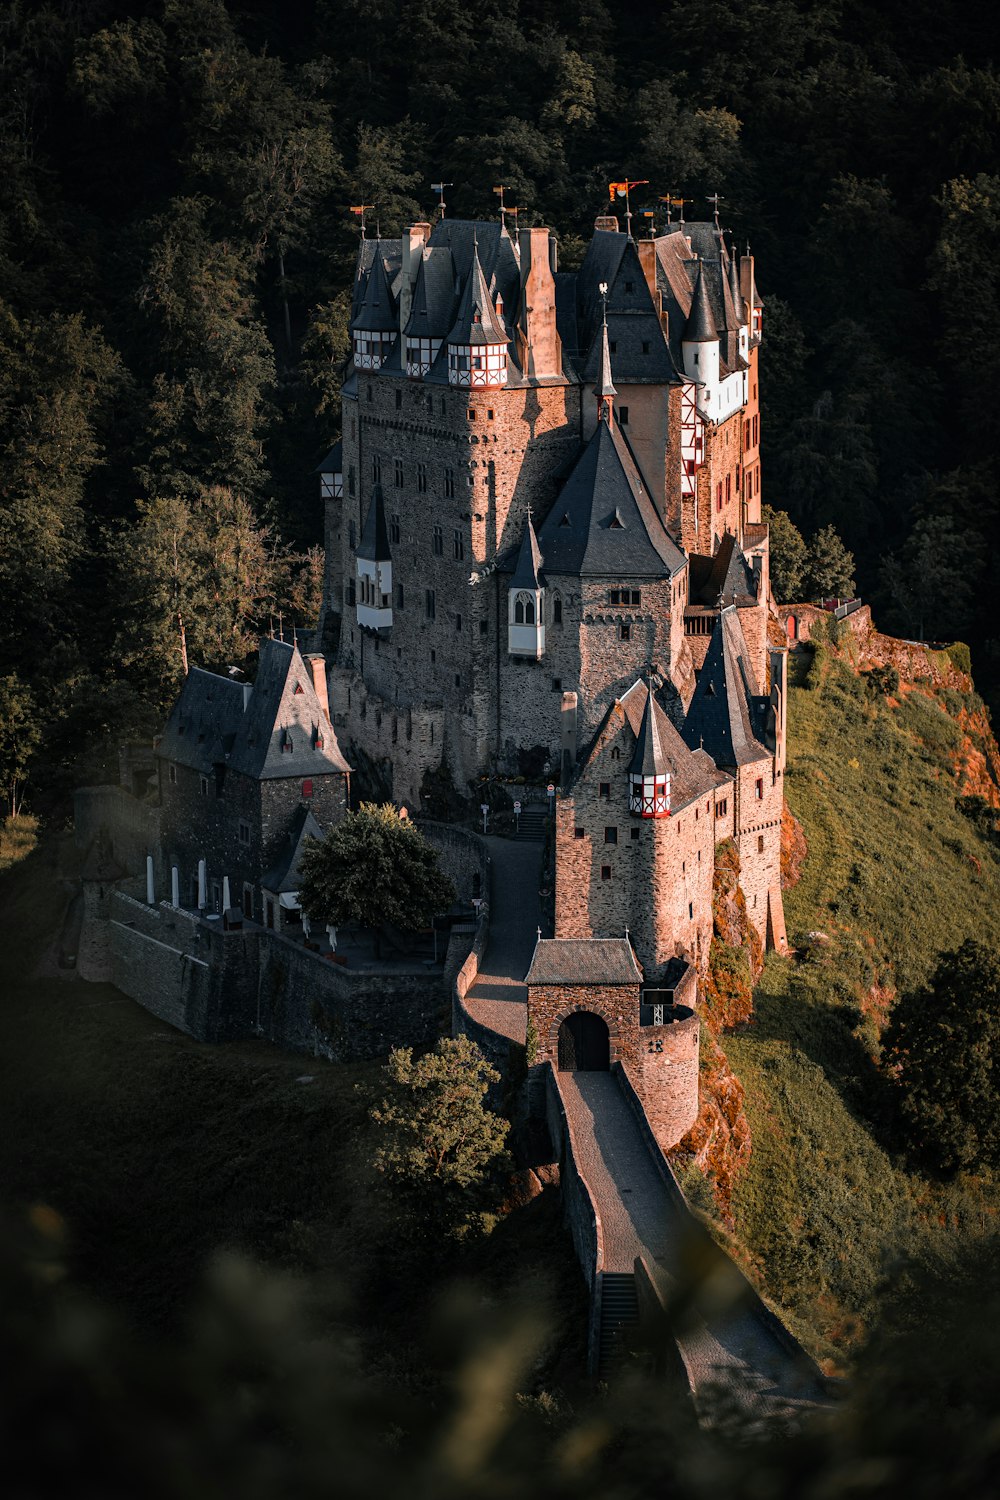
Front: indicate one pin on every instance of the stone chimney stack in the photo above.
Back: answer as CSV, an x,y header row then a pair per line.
x,y
414,240
647,259
317,666
539,345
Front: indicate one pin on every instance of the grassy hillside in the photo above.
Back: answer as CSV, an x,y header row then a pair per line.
x,y
896,872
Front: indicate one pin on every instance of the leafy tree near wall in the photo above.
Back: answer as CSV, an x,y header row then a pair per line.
x,y
788,555
437,1143
830,567
20,733
942,1052
374,868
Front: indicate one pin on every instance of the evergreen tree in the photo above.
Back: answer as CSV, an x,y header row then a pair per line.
x,y
788,555
829,572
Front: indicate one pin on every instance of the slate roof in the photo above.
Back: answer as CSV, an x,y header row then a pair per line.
x,y
377,311
692,772
432,309
284,874
640,352
700,327
476,321
649,758
529,561
604,523
583,961
726,709
333,463
727,576
216,721
374,543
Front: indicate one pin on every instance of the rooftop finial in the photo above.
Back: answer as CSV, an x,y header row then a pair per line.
x,y
439,187
715,199
499,191
605,390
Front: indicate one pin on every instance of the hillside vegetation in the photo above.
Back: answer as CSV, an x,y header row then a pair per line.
x,y
901,866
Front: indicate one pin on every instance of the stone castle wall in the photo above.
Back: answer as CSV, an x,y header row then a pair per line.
x,y
617,1005
667,1077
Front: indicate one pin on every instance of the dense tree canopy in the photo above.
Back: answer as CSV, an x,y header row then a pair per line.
x,y
176,258
374,868
942,1048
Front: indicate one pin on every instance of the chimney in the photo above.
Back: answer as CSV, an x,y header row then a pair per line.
x,y
539,345
317,667
568,733
647,259
414,240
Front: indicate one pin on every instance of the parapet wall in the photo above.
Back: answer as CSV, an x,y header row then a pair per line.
x,y
668,1078
218,985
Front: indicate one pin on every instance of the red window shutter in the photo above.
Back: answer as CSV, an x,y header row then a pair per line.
x,y
307,789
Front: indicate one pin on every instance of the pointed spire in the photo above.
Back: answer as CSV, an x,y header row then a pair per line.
x,y
605,390
377,313
374,544
649,758
700,327
529,561
476,321
734,287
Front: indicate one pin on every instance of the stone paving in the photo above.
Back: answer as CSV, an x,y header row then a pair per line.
x,y
731,1355
499,998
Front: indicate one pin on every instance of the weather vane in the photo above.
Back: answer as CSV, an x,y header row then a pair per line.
x,y
715,199
359,210
622,190
439,187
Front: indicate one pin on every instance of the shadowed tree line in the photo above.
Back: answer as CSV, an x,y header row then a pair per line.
x,y
177,255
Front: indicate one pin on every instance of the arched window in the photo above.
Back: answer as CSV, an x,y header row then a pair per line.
x,y
519,610
557,611
524,610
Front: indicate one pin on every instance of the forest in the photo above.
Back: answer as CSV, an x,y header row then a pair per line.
x,y
176,253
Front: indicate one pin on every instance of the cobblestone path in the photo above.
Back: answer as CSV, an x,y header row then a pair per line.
x,y
499,998
731,1355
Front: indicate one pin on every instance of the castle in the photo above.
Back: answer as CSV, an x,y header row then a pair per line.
x,y
545,557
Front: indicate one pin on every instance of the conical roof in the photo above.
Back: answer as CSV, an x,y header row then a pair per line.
x,y
378,312
649,758
734,287
529,561
720,717
476,321
374,544
605,386
700,327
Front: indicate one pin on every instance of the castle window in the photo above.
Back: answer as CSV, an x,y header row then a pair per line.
x,y
557,611
483,627
612,347
472,413
399,472
352,535
720,808
298,688
422,479
635,833
458,679
400,597
369,391
376,469
430,604
351,596
616,753
458,544
645,346
172,773
489,415
629,288
578,833
557,684
203,785
605,872
437,541
430,406
760,843
690,910
434,657
449,484
624,632
394,528
611,835
399,399
604,789
458,622
623,416
524,610
718,496
759,789
350,480
307,788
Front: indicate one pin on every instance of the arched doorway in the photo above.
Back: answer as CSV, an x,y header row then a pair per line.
x,y
584,1044
792,626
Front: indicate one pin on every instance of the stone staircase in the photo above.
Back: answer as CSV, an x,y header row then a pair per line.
x,y
531,824
619,1315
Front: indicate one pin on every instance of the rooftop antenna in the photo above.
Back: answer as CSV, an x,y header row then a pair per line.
x,y
715,199
359,210
439,187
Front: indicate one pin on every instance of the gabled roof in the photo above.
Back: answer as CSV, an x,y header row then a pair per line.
x,y
583,961
726,577
529,561
284,874
374,544
216,721
377,311
604,523
640,352
476,321
333,463
720,718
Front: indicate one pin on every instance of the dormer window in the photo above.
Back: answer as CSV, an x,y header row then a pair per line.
x,y
298,689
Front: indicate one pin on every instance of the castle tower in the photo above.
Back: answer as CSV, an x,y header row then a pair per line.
x,y
700,345
374,326
477,344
